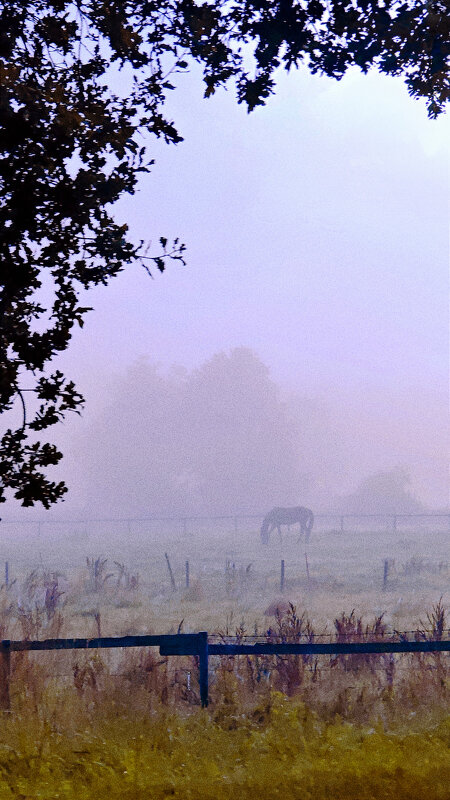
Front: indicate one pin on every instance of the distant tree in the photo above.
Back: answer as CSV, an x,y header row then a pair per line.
x,y
214,440
71,145
383,493
239,439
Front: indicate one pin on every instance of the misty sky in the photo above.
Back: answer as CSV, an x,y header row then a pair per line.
x,y
317,230
317,235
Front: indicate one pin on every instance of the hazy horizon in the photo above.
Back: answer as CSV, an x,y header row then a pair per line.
x,y
317,234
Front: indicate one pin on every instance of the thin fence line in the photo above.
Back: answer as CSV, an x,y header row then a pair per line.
x,y
227,640
205,518
324,667
322,635
187,644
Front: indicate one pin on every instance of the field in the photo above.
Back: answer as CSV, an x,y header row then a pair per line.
x,y
345,572
128,724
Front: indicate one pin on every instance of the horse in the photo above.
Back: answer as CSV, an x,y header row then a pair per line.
x,y
287,516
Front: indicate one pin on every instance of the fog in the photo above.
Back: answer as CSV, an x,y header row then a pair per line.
x,y
226,438
301,357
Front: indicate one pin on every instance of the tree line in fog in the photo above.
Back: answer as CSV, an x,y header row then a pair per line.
x,y
216,440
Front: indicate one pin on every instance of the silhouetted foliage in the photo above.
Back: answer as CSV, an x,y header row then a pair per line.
x,y
71,145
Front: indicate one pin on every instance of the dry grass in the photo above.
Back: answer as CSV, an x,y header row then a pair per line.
x,y
128,724
279,747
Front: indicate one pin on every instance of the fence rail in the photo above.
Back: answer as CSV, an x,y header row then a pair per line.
x,y
391,520
196,644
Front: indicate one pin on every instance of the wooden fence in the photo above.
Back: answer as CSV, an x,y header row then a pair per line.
x,y
197,644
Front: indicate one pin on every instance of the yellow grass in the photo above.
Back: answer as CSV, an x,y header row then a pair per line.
x,y
280,749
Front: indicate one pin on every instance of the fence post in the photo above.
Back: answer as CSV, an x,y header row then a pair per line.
x,y
282,576
203,659
5,675
6,574
187,574
230,576
385,572
172,579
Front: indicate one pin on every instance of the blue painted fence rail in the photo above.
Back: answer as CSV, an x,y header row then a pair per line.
x,y
196,644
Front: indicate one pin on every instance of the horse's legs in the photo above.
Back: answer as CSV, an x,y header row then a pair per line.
x,y
271,528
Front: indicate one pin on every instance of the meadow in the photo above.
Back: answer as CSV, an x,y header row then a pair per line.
x,y
128,723
232,575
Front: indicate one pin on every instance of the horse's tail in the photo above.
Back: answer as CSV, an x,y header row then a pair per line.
x,y
265,530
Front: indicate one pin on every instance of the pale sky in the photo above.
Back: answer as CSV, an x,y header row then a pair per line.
x,y
317,235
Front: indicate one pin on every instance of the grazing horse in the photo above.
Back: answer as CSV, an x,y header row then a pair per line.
x,y
287,516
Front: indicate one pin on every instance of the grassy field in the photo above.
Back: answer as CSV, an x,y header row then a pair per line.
x,y
345,572
280,750
128,723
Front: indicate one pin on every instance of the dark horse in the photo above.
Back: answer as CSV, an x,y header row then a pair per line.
x,y
287,516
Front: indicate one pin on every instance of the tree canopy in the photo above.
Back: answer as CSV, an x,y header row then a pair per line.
x,y
71,144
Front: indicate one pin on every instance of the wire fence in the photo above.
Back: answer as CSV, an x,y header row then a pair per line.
x,y
239,522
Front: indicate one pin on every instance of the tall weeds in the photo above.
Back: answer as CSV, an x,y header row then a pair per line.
x,y
128,724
